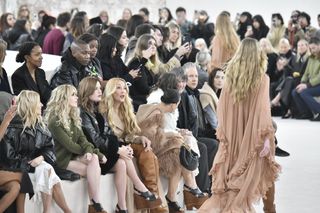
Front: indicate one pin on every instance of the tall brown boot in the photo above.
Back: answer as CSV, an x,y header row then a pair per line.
x,y
149,169
268,203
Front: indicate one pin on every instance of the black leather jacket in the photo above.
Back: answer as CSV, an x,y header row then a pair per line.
x,y
18,147
97,131
70,71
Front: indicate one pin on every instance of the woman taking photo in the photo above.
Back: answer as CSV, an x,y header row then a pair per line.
x,y
30,76
146,59
111,63
244,168
29,148
73,150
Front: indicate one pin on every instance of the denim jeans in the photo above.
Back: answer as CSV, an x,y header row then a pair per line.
x,y
306,101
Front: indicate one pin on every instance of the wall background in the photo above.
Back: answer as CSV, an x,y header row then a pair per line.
x,y
213,7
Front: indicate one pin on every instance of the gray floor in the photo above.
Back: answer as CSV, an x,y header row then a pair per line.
x,y
298,188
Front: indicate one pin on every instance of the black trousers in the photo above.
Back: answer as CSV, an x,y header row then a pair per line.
x,y
208,148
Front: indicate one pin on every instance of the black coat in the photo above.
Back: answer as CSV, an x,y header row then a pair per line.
x,y
22,80
188,113
18,147
4,82
203,30
115,67
70,71
142,85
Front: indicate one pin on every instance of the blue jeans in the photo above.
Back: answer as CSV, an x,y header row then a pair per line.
x,y
305,100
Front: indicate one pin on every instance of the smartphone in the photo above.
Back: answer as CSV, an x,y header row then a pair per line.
x,y
13,102
249,28
186,39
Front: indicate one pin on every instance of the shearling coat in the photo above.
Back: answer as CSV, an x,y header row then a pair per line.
x,y
166,146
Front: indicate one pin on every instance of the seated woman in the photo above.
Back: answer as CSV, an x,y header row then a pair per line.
x,y
100,134
9,181
4,81
111,63
73,150
292,76
209,97
166,146
116,108
29,147
146,59
29,76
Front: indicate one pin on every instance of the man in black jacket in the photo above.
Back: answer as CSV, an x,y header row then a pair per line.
x,y
74,65
191,117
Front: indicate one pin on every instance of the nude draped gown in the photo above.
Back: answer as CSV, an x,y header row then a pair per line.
x,y
240,177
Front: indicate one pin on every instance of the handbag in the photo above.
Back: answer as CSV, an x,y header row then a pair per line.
x,y
188,158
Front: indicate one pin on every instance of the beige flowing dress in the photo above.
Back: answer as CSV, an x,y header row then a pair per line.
x,y
239,176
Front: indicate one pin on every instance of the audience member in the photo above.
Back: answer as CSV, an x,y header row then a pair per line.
x,y
30,76
309,88
4,81
54,40
73,150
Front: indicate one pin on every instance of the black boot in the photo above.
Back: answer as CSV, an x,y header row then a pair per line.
x,y
281,152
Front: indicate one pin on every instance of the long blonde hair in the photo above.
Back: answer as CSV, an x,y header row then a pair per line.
x,y
58,106
226,32
125,110
266,46
245,70
170,46
27,105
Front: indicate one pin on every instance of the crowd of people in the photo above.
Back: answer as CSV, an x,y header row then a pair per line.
x,y
143,90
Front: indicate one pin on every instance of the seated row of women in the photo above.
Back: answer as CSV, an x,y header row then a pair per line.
x,y
100,136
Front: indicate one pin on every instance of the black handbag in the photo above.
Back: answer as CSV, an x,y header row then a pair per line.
x,y
188,158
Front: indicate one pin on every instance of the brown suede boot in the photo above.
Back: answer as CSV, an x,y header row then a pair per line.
x,y
96,208
149,169
268,203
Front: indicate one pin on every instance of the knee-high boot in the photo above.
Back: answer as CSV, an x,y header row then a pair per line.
x,y
268,203
149,169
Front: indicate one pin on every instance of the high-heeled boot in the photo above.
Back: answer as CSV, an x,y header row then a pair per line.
x,y
146,200
95,208
268,203
193,197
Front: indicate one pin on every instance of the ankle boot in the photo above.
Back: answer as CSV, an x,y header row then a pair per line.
x,y
193,197
268,203
95,208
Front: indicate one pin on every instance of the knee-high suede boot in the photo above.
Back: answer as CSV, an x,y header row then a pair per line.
x,y
268,203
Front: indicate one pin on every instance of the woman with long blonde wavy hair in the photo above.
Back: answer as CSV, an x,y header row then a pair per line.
x,y
117,109
73,150
30,149
225,42
244,168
